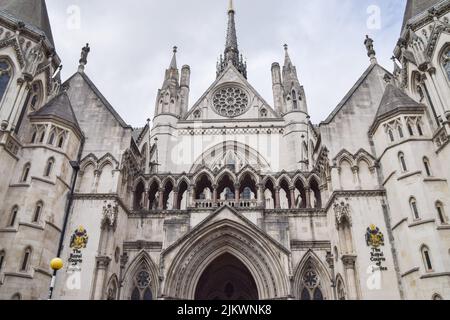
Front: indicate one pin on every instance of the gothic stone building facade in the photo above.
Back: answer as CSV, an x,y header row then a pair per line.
x,y
231,197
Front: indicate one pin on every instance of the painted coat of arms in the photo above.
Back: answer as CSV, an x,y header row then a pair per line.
x,y
79,239
374,237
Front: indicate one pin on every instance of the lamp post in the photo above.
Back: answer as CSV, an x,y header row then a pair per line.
x,y
57,264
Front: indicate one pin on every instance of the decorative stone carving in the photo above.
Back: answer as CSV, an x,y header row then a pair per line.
x,y
230,102
110,212
342,211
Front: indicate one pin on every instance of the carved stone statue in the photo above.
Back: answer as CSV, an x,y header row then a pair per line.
x,y
369,46
84,54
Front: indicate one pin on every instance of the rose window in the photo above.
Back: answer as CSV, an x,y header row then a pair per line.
x,y
230,102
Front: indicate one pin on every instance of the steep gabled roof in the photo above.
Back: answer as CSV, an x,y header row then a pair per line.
x,y
60,108
416,7
31,12
102,98
352,91
395,100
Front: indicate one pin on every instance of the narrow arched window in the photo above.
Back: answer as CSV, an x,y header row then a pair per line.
x,y
414,209
2,259
426,164
437,297
441,213
49,167
37,211
294,100
391,135
446,62
13,217
61,141
33,136
5,76
42,137
410,129
426,255
26,260
16,296
400,132
419,129
25,172
51,138
401,158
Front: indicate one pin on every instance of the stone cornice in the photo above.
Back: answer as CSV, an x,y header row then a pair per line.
x,y
353,194
102,197
306,245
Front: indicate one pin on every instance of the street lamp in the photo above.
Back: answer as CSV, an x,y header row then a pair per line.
x,y
57,264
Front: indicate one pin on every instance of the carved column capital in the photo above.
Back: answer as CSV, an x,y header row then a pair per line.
x,y
102,262
349,261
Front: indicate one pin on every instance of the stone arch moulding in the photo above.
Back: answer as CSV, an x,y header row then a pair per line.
x,y
310,258
141,261
184,262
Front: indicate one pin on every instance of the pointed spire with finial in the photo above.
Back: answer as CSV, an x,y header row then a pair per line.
x,y
287,58
84,55
231,54
173,63
370,50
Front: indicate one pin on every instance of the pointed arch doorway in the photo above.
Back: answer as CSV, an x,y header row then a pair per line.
x,y
226,278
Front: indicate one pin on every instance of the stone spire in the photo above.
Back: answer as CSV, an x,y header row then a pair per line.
x,y
231,54
287,58
370,50
293,91
84,55
172,74
173,63
31,12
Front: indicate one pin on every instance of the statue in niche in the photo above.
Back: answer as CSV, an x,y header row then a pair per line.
x,y
142,201
207,194
313,200
169,203
269,199
298,201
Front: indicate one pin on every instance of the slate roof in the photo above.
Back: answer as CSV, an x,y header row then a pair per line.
x,y
415,7
395,99
60,108
31,12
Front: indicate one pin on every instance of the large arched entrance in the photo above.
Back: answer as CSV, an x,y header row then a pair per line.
x,y
226,278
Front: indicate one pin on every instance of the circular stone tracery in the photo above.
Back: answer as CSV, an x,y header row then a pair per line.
x,y
230,101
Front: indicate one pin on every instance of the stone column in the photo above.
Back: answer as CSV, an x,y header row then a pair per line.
x,y
236,193
215,194
277,198
161,199
356,179
102,265
292,190
349,262
308,197
175,199
260,196
147,198
192,196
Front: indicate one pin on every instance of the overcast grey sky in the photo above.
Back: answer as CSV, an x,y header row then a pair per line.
x,y
131,43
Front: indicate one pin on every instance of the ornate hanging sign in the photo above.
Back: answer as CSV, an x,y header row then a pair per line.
x,y
375,240
78,241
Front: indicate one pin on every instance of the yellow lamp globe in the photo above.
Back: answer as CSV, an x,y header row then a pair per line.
x,y
56,264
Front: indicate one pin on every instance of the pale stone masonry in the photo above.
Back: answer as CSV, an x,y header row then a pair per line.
x,y
230,196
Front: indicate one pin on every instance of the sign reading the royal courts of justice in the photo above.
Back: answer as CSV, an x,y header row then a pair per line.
x,y
78,241
375,240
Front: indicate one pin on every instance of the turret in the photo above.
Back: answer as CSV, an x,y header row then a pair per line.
x,y
277,88
169,100
185,88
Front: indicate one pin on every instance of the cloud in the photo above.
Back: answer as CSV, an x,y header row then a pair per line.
x,y
132,42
